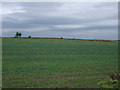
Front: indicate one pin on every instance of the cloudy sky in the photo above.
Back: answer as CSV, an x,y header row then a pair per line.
x,y
70,20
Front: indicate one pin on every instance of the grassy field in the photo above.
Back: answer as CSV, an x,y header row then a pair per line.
x,y
51,63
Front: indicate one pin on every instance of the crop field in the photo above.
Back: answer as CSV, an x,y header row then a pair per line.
x,y
57,63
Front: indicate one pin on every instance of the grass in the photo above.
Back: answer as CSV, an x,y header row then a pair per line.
x,y
51,63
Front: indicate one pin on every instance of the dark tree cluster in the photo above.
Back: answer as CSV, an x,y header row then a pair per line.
x,y
18,35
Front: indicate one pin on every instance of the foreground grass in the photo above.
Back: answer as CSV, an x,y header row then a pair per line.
x,y
47,63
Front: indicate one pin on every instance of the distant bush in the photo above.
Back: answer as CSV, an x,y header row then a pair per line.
x,y
61,37
29,36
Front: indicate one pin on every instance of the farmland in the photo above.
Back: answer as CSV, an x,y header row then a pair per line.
x,y
53,63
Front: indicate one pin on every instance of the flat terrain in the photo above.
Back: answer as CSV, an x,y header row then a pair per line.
x,y
51,63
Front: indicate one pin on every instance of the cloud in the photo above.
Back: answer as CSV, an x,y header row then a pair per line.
x,y
11,8
60,19
68,26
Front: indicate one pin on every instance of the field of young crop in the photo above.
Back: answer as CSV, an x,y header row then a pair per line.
x,y
57,63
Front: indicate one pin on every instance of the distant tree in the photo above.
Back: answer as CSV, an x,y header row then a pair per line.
x,y
17,35
29,36
20,34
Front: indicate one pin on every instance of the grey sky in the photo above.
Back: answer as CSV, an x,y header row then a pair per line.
x,y
71,20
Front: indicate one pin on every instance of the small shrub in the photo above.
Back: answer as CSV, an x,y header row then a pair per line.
x,y
112,83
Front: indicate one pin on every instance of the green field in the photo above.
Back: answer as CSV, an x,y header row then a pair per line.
x,y
57,63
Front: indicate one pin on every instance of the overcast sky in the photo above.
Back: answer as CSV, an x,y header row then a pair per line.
x,y
70,20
